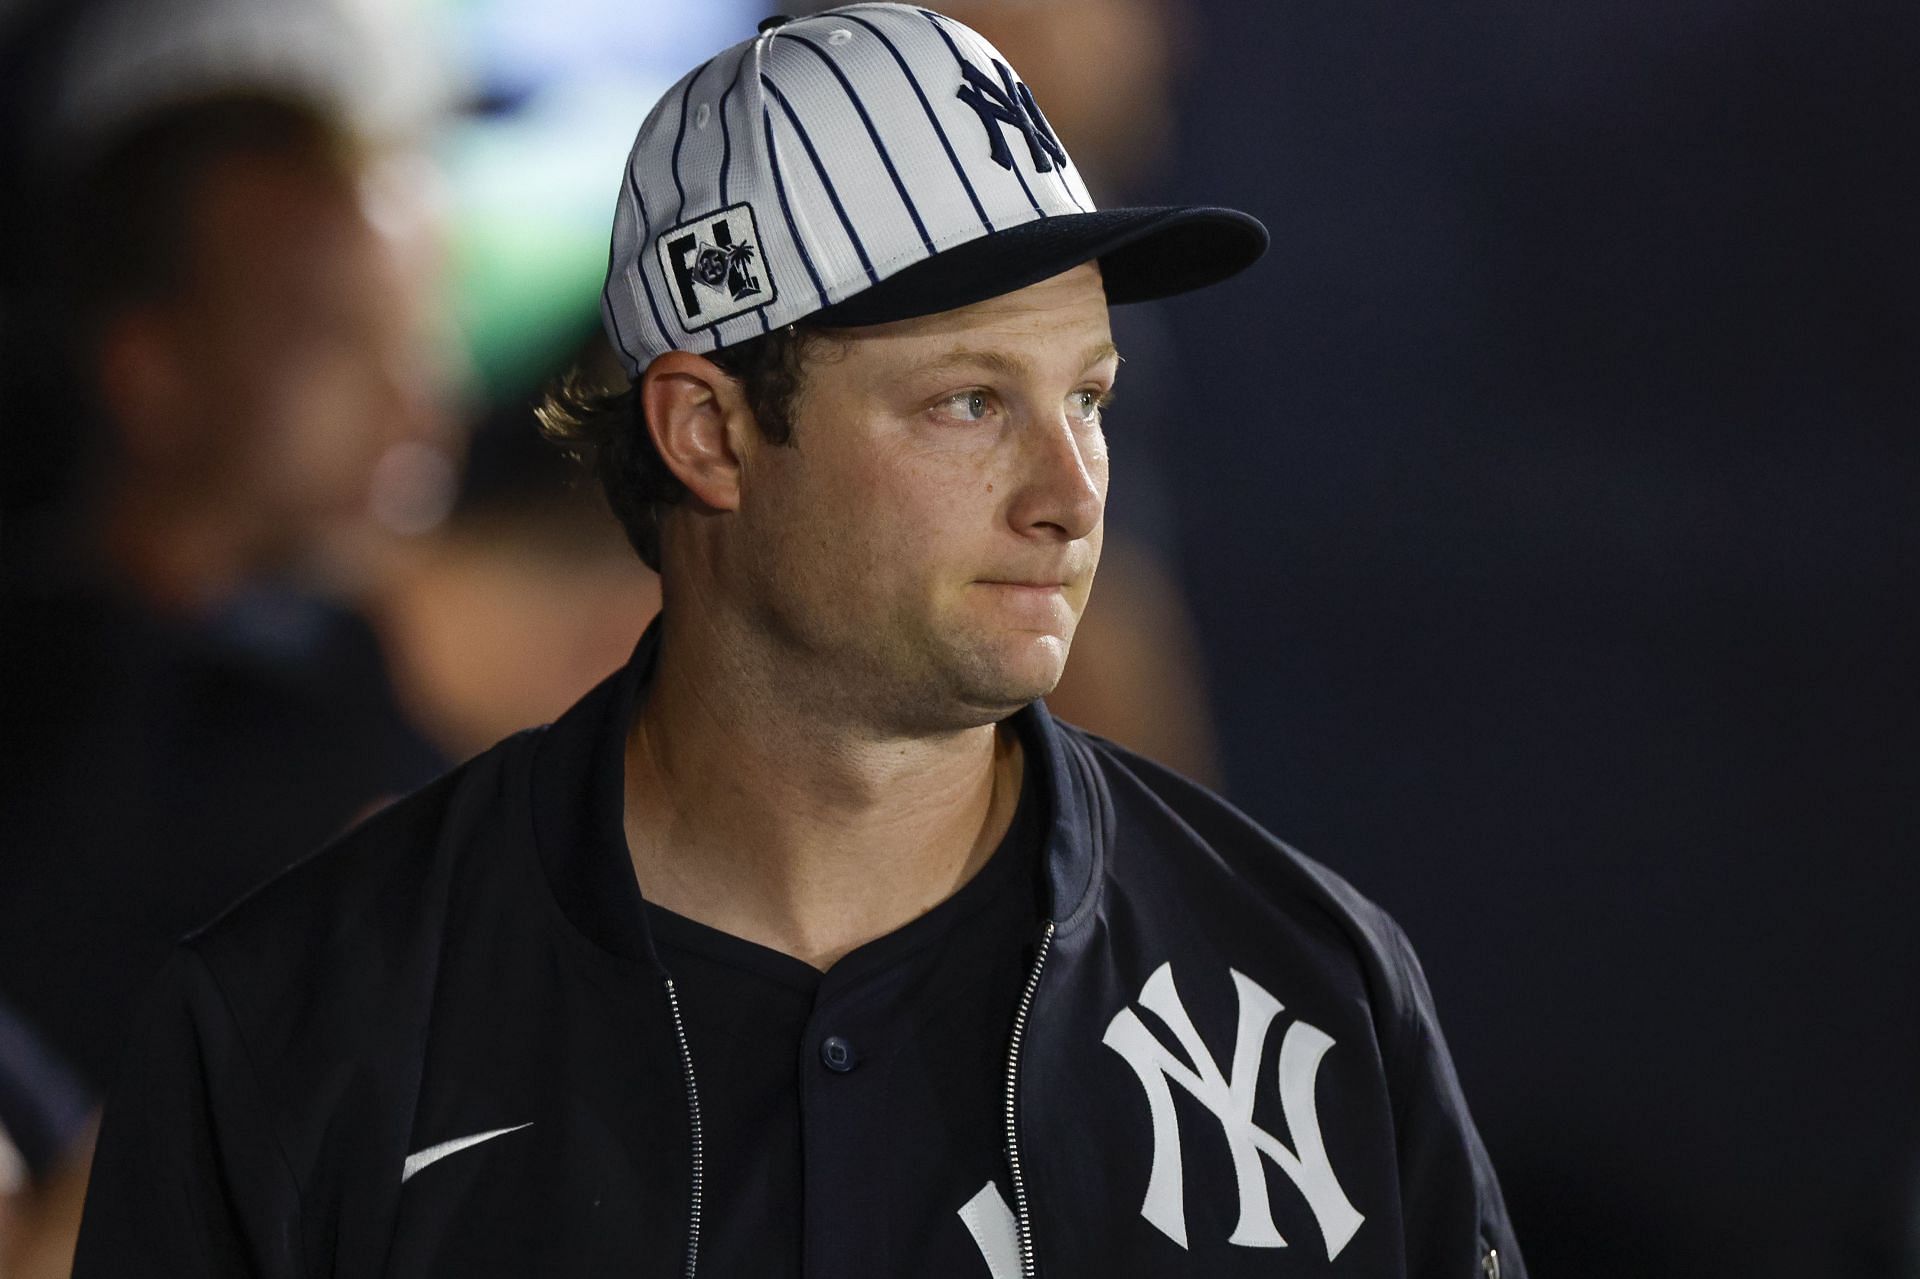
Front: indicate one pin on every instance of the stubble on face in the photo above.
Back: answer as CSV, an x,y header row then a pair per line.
x,y
920,555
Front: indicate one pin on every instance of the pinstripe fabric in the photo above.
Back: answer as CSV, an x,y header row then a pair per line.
x,y
855,234
880,149
933,118
680,136
940,27
845,136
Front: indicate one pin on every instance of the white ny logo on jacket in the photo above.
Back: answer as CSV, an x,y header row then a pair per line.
x,y
1230,1098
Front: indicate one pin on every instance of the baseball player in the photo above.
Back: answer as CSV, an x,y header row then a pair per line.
x,y
809,943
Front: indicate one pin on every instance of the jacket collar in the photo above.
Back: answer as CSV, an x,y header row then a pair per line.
x,y
579,789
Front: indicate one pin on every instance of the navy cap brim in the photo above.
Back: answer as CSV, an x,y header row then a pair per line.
x,y
1144,253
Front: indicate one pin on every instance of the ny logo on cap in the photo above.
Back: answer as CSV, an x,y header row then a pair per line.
x,y
714,263
1010,102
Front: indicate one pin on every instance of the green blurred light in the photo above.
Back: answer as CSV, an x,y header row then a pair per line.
x,y
533,197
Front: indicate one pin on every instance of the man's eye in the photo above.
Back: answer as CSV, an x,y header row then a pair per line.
x,y
1089,403
968,406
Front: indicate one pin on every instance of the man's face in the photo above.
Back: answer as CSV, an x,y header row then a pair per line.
x,y
298,350
927,544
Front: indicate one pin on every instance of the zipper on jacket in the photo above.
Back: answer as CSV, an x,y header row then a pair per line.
x,y
693,1114
1028,1268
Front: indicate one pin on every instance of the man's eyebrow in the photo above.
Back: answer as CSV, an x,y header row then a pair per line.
x,y
1013,364
1100,353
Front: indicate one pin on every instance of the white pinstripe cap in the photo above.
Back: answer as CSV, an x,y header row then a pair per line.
x,y
865,164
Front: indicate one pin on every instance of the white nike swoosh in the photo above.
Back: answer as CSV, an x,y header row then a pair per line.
x,y
420,1159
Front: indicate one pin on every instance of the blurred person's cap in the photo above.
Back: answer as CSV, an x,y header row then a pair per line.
x,y
869,163
365,64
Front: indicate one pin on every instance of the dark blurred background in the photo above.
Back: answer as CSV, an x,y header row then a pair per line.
x,y
1549,510
1530,538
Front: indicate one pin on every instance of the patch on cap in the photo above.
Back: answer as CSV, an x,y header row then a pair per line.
x,y
716,267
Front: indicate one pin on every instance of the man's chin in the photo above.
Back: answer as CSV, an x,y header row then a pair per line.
x,y
1015,673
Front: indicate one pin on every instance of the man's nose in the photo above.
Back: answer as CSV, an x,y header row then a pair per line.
x,y
1065,474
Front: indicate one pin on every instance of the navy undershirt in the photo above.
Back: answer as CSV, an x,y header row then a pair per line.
x,y
850,1114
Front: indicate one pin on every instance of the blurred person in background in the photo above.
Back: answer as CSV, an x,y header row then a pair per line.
x,y
225,383
46,1140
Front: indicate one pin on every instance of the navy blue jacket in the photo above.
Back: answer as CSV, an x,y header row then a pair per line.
x,y
1226,1061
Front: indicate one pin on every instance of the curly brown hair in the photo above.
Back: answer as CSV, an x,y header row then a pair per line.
x,y
605,429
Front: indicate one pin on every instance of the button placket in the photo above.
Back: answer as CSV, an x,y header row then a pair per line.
x,y
843,1065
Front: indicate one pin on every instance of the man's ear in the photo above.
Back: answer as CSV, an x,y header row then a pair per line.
x,y
699,422
141,384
